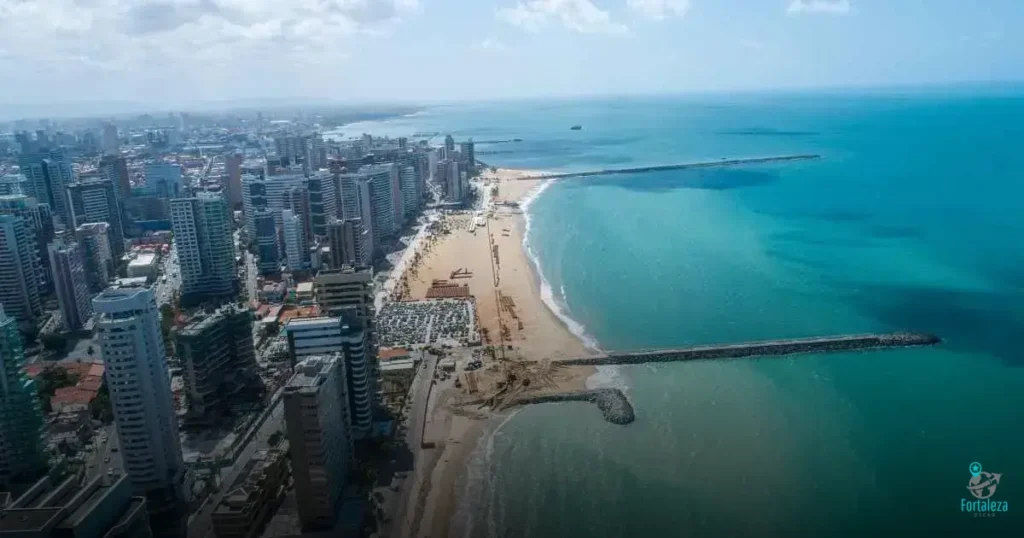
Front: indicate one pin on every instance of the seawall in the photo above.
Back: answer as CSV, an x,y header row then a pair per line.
x,y
612,402
825,344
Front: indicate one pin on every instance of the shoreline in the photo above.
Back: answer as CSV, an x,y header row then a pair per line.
x,y
517,314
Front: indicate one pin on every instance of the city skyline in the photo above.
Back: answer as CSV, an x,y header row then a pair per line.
x,y
171,54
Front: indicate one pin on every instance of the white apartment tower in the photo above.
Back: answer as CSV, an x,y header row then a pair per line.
x,y
206,252
132,348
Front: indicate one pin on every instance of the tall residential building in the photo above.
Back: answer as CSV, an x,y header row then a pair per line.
x,y
111,144
410,200
39,228
69,280
319,438
349,244
163,180
293,148
398,200
268,246
132,348
251,502
296,200
254,198
295,250
449,143
343,290
18,265
94,239
316,152
322,201
468,152
376,203
311,337
348,196
96,201
206,251
48,174
454,184
233,166
219,360
22,430
115,169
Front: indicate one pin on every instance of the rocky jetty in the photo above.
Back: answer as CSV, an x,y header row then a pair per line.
x,y
612,402
826,344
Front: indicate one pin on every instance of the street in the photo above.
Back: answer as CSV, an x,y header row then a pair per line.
x,y
201,525
97,463
166,290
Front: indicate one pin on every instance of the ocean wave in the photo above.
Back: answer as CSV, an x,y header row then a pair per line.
x,y
479,493
547,294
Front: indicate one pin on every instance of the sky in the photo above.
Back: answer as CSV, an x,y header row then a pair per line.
x,y
171,53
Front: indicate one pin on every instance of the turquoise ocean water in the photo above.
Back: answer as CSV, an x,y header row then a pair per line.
x,y
913,219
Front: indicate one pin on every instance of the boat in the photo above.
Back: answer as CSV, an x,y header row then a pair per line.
x,y
576,128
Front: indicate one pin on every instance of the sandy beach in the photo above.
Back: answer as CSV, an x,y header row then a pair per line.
x,y
491,260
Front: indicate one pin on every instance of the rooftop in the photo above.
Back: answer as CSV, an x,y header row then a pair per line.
x,y
310,373
143,258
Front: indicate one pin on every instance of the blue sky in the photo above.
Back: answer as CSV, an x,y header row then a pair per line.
x,y
177,52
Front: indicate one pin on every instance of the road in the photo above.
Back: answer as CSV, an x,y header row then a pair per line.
x,y
251,273
202,525
97,463
165,291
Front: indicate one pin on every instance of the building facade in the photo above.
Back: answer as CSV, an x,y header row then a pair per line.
x,y
206,251
163,180
94,239
295,248
319,438
22,429
18,265
132,348
69,280
96,201
115,169
311,337
219,360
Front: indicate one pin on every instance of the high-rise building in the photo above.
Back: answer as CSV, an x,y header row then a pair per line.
x,y
316,152
296,200
115,169
254,198
468,151
22,430
349,244
319,438
323,201
295,250
249,505
410,201
338,291
348,196
219,360
18,265
69,279
268,246
233,166
96,201
94,239
377,201
163,180
132,348
449,143
39,227
111,144
397,198
311,337
48,174
206,251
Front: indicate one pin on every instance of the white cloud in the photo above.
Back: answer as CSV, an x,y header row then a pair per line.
x,y
752,44
490,44
577,15
831,7
659,9
183,49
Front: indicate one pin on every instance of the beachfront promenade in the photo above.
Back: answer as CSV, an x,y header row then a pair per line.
x,y
683,166
616,407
